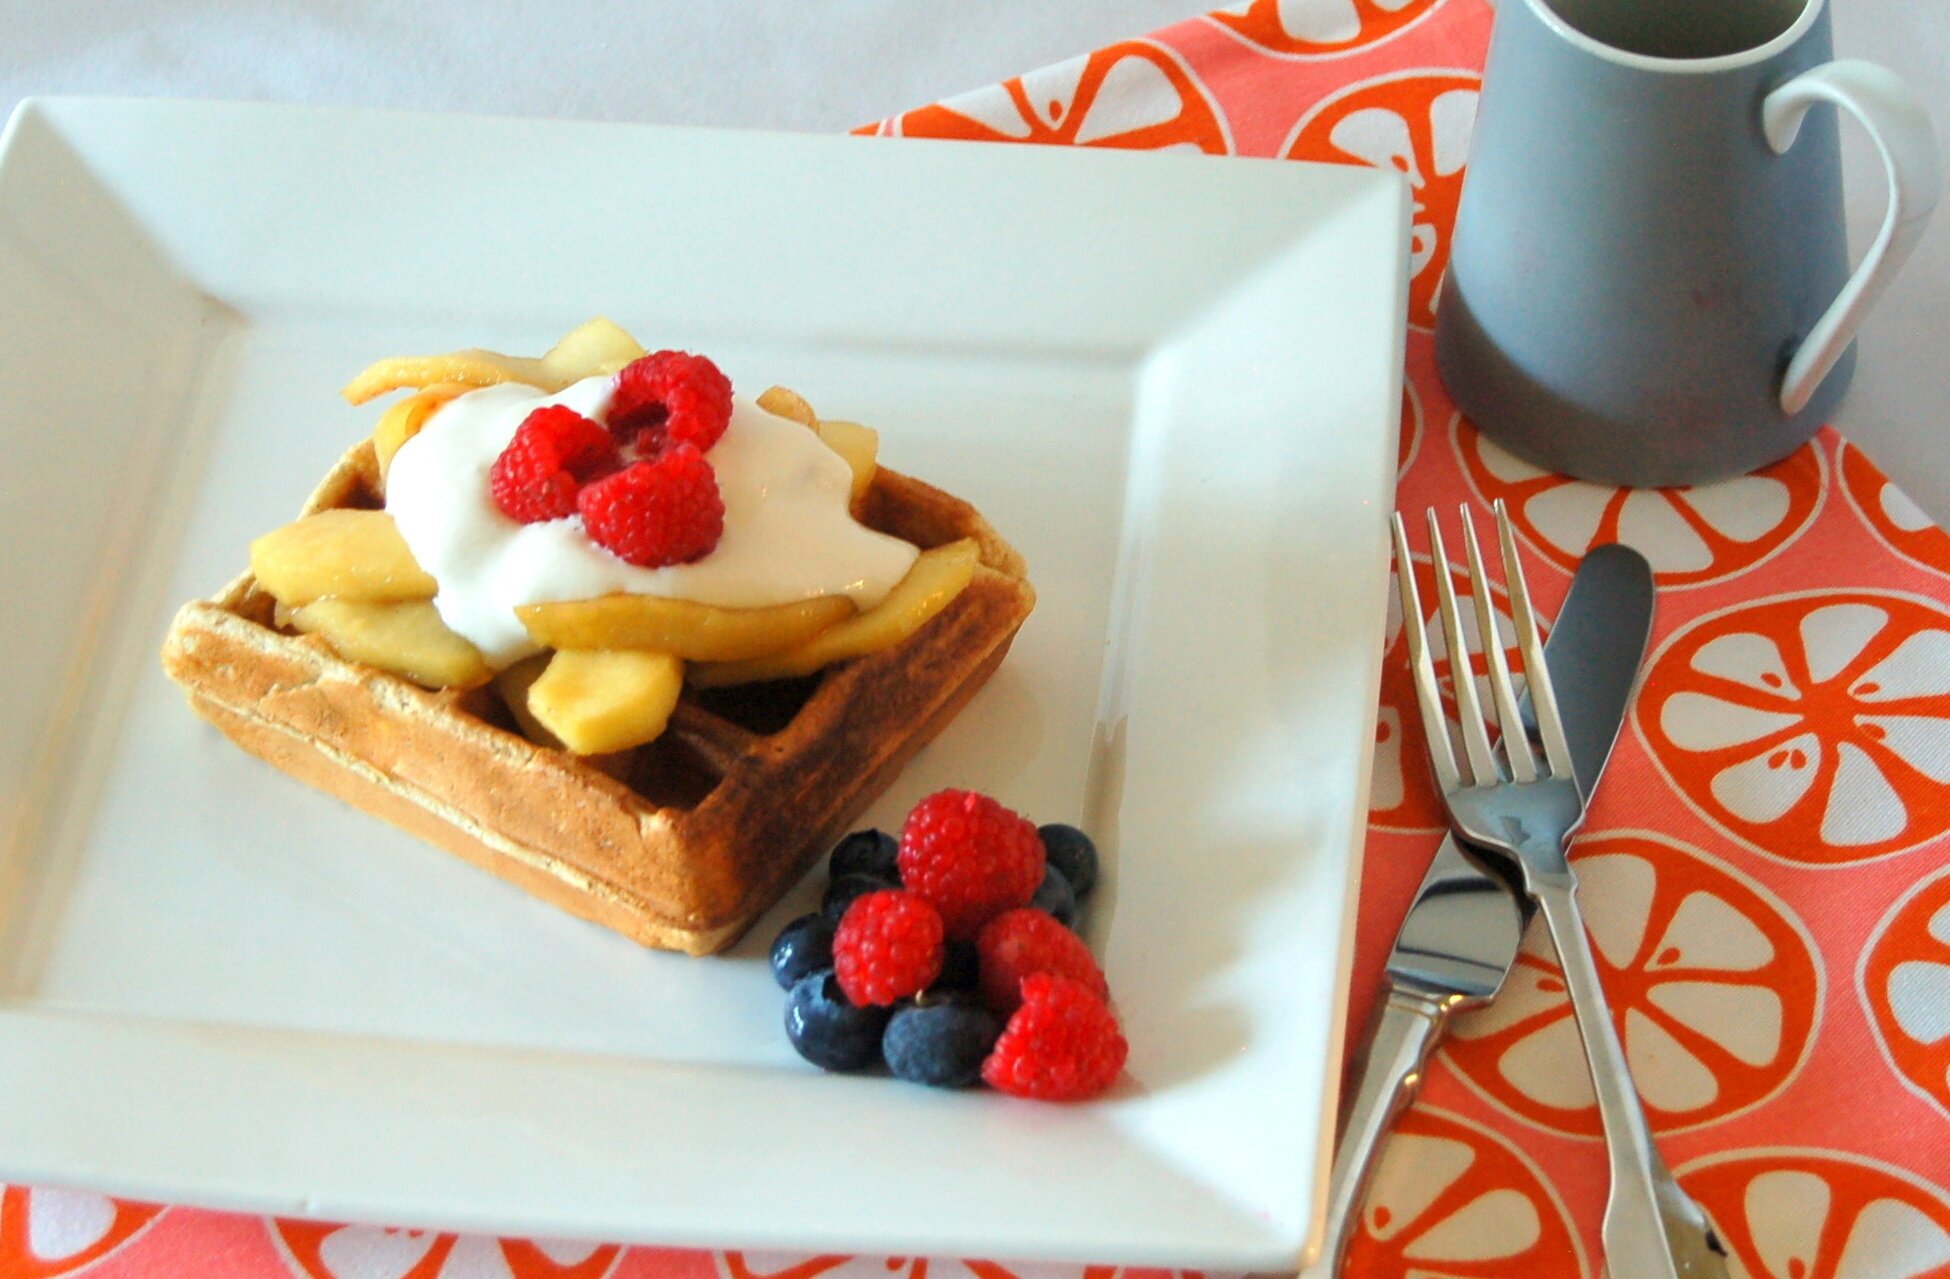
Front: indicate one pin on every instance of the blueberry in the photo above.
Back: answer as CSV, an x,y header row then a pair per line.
x,y
940,1041
1070,851
961,968
841,892
803,945
828,1031
866,852
1055,897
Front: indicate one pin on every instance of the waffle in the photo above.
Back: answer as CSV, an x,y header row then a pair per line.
x,y
680,844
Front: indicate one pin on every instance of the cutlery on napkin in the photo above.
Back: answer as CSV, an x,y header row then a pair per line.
x,y
1461,935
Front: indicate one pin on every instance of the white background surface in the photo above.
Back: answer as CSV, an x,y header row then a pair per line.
x,y
789,64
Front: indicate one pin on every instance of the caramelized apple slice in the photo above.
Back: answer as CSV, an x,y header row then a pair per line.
x,y
353,555
513,684
473,368
598,347
937,577
860,446
403,421
788,404
696,632
595,701
407,639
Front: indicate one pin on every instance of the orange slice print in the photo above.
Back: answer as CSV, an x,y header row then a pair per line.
x,y
1897,522
321,1250
1454,1199
47,1232
1714,989
1319,28
1136,95
1418,124
1814,727
1905,984
1691,536
1821,1214
1401,797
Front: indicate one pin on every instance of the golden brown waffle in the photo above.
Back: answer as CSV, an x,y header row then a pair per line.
x,y
679,844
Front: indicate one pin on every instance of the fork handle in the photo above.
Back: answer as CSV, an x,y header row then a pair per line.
x,y
1389,1074
1634,1232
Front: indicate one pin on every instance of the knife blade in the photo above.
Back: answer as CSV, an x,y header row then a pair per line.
x,y
1460,936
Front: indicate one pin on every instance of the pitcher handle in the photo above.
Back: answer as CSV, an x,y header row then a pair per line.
x,y
1901,131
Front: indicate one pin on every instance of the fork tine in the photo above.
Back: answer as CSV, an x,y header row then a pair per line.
x,y
1427,695
1469,707
1516,742
1537,674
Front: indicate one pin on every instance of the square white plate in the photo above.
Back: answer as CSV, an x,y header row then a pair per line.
x,y
1172,381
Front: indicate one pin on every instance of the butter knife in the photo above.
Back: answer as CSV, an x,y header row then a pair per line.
x,y
1461,935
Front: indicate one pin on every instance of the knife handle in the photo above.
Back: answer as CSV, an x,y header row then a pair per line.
x,y
1389,1074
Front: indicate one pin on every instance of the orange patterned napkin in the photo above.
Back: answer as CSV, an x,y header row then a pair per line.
x,y
1766,868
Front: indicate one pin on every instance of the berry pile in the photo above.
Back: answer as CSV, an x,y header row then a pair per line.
x,y
948,955
639,479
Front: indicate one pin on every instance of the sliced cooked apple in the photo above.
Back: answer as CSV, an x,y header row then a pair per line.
x,y
788,404
597,347
513,684
696,632
408,639
937,577
353,555
403,421
589,350
859,445
472,368
595,701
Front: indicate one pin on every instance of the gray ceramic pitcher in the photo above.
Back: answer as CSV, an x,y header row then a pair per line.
x,y
1649,279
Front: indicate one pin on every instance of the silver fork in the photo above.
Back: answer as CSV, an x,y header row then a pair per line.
x,y
1652,1228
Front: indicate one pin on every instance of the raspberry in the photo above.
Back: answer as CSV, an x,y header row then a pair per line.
x,y
1020,943
888,947
971,857
554,452
655,513
670,397
1061,1045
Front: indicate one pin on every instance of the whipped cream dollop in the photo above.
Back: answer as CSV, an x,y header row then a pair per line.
x,y
788,535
